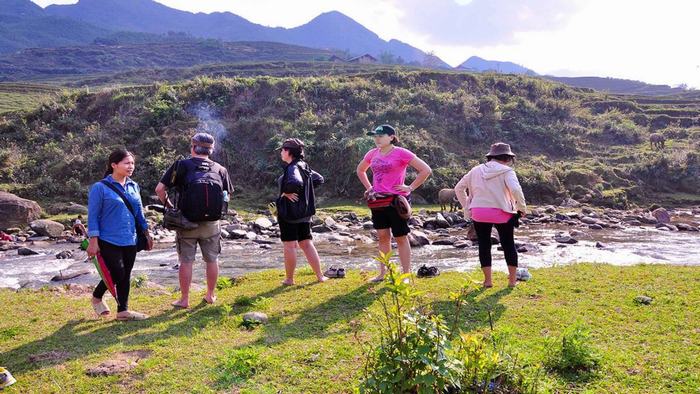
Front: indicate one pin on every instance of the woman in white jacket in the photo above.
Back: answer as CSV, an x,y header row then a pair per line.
x,y
495,199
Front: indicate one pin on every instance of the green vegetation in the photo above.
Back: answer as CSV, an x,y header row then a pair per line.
x,y
565,148
23,96
316,334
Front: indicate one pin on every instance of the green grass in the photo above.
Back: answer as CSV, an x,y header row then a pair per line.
x,y
20,96
308,344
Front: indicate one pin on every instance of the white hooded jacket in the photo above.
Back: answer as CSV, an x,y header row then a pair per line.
x,y
491,185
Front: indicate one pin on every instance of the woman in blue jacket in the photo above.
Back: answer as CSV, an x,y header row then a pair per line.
x,y
112,230
295,207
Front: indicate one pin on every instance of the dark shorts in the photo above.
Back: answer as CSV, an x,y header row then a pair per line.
x,y
383,218
295,231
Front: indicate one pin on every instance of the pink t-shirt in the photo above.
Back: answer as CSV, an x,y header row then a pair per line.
x,y
490,215
389,170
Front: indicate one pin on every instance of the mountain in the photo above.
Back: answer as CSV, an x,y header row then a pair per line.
x,y
478,64
52,63
619,86
332,30
24,24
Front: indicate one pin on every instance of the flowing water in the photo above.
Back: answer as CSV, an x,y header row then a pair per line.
x,y
633,245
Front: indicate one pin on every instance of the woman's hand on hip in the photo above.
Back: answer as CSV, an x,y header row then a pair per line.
x,y
293,197
403,188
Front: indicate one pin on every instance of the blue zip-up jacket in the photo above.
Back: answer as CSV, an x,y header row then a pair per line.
x,y
109,218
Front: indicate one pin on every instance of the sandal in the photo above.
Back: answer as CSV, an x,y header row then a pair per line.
x,y
427,272
101,309
133,316
331,272
335,272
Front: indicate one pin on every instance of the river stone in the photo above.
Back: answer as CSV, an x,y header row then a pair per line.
x,y
462,244
69,275
417,239
47,228
66,254
441,222
595,227
648,219
686,227
670,227
644,300
367,225
255,317
570,203
447,241
237,234
263,223
565,239
329,222
16,211
662,215
321,228
589,220
26,252
600,245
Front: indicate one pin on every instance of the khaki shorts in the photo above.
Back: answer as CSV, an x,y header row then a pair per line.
x,y
207,235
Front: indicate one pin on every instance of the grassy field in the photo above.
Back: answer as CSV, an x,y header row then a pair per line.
x,y
23,96
308,345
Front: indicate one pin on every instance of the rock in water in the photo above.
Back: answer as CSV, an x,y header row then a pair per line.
x,y
662,215
47,228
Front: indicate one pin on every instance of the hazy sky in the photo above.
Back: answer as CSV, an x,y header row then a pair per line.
x,y
650,40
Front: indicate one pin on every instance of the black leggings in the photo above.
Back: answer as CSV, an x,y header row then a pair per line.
x,y
119,261
505,233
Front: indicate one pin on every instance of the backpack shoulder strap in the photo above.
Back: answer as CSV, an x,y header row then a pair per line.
x,y
121,195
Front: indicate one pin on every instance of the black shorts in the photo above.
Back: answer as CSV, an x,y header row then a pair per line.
x,y
295,231
387,217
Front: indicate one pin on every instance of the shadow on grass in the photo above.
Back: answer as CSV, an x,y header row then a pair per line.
x,y
81,338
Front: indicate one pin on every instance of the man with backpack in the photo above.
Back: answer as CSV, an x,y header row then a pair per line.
x,y
202,189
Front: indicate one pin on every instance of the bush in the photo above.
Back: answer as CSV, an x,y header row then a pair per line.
x,y
573,352
418,352
238,365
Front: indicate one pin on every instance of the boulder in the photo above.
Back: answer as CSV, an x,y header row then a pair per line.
x,y
26,252
47,228
418,239
263,223
16,211
661,215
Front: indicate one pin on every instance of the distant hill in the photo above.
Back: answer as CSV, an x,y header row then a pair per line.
x,y
332,30
619,86
478,64
47,63
24,24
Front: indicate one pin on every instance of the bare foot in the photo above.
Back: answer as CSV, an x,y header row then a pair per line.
x,y
210,299
322,279
180,304
288,282
512,284
488,285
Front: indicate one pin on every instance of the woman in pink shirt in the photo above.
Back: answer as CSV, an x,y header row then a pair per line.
x,y
389,163
495,198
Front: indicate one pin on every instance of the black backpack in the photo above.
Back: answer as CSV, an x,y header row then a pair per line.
x,y
202,192
305,207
